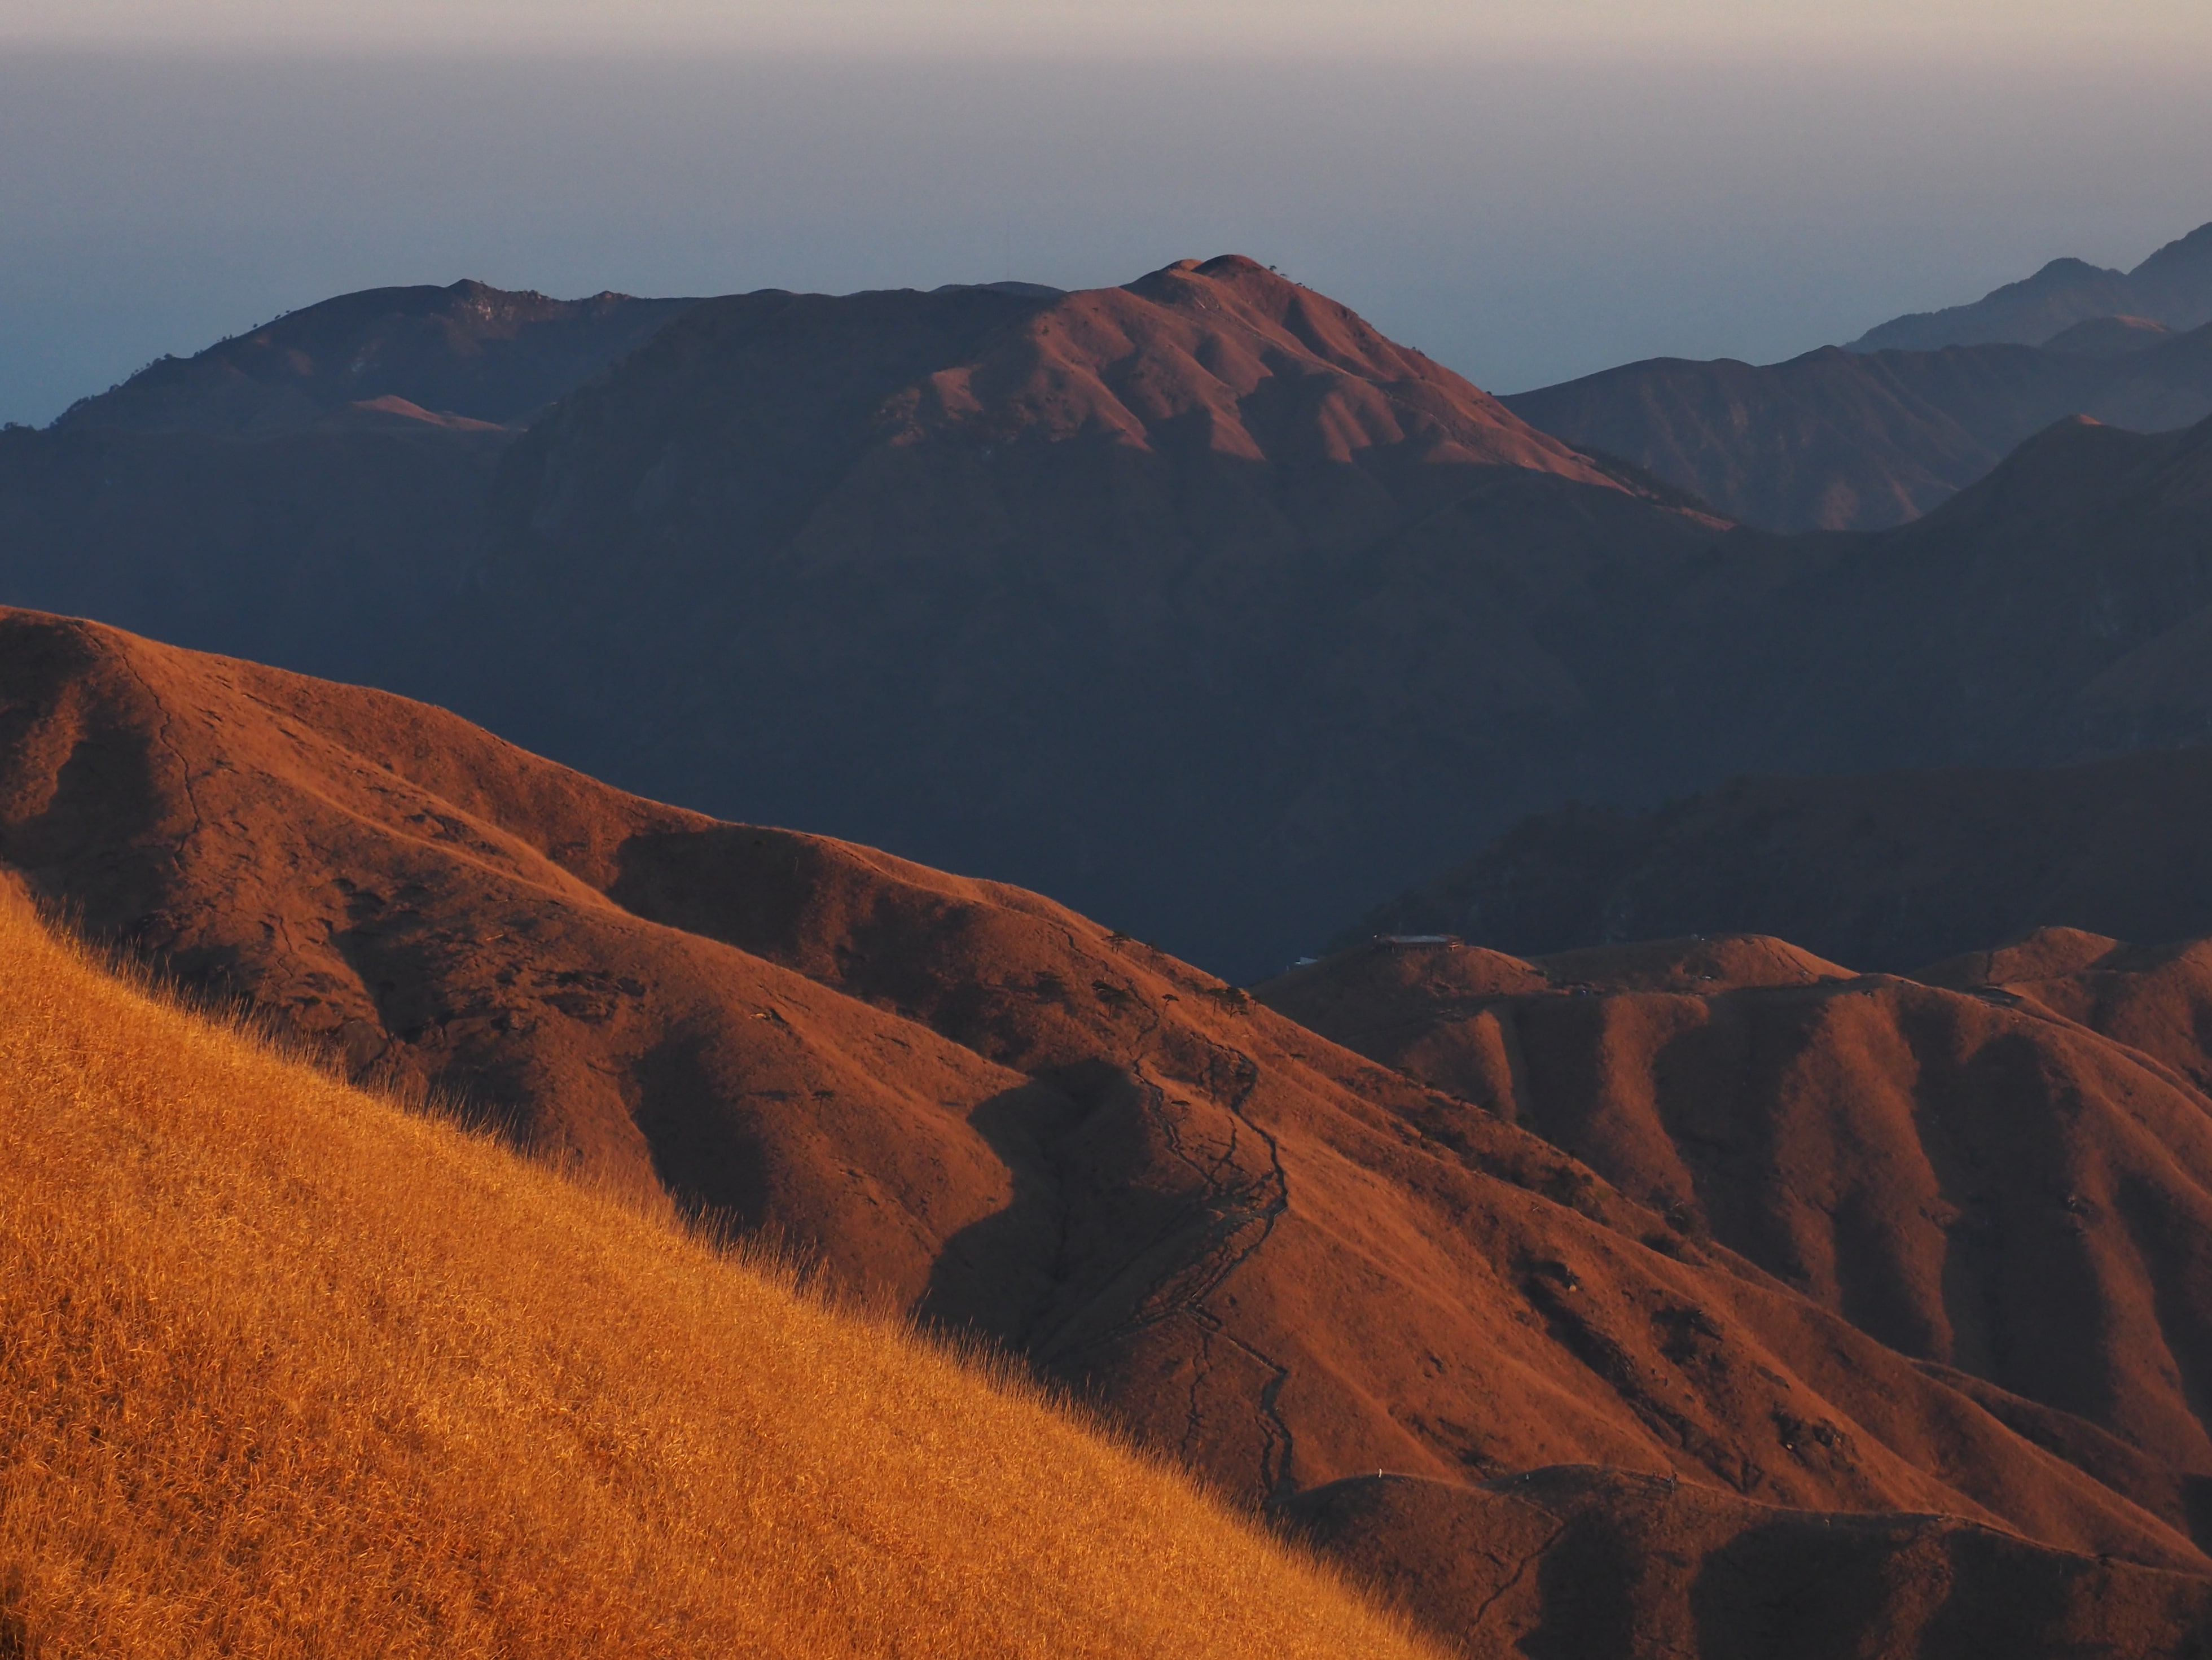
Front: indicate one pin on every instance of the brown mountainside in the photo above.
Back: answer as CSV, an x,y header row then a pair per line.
x,y
1841,440
1561,1564
2003,1191
290,1369
1283,1263
2155,999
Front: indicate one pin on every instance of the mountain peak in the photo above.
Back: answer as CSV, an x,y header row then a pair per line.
x,y
2053,272
1221,355
2071,464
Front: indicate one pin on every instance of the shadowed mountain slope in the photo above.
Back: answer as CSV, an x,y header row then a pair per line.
x,y
1062,579
315,490
2172,286
1061,582
1841,440
1562,1563
1889,870
1196,603
2110,337
465,354
2054,610
1276,1260
341,546
1982,1182
288,1370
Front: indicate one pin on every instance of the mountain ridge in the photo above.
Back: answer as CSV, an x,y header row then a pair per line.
x,y
467,351
1838,439
1011,561
2173,286
1988,1177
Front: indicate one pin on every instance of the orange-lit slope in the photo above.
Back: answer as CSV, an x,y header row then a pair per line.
x,y
1976,1179
1226,355
287,1371
1278,1259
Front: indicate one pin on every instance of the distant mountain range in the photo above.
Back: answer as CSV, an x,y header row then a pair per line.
x,y
1870,436
1034,584
1839,439
2172,286
1196,601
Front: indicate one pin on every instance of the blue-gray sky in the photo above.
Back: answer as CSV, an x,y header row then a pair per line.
x,y
1526,192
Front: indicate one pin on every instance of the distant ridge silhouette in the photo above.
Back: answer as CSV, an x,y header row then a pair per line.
x,y
1838,439
2172,286
471,352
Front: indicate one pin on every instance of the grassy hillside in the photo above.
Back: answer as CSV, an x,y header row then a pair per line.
x,y
285,1370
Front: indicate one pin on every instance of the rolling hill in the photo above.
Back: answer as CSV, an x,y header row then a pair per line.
x,y
290,1371
1280,1263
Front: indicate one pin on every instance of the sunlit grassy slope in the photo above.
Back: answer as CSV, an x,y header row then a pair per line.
x,y
285,1370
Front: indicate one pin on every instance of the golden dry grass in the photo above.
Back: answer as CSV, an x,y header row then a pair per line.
x,y
287,1371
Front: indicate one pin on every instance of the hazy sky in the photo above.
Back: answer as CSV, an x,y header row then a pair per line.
x,y
1525,192
1090,24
